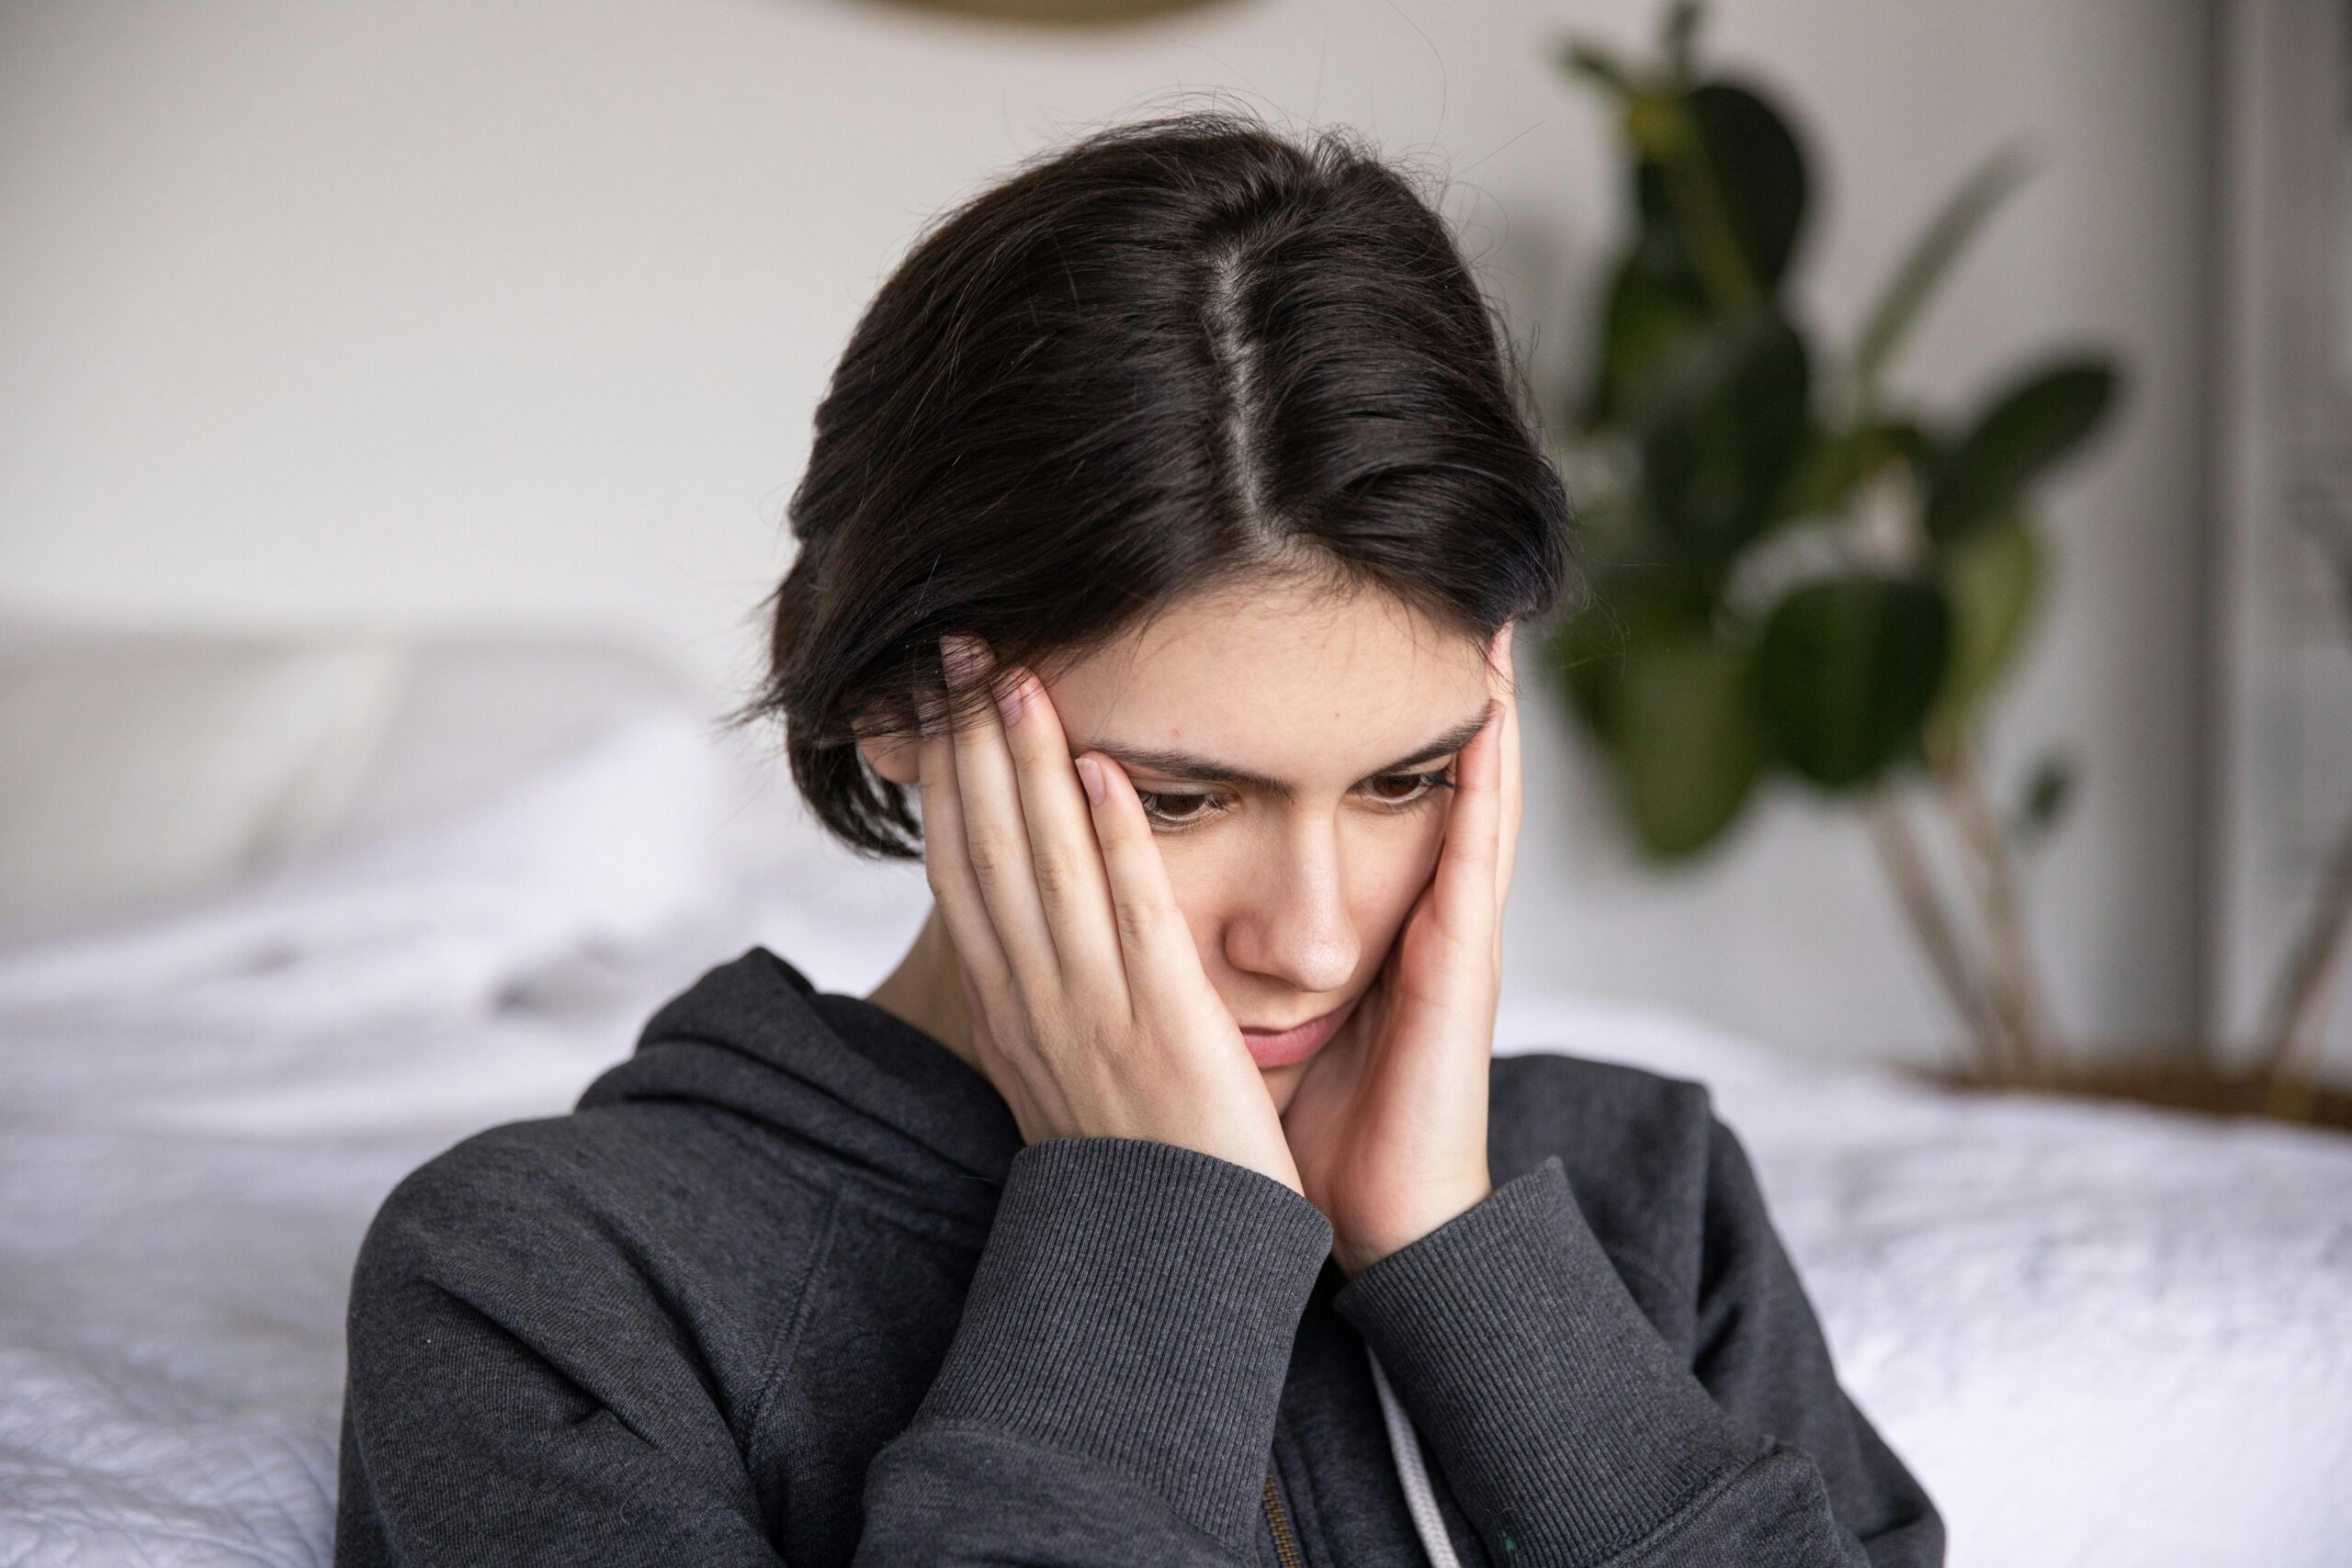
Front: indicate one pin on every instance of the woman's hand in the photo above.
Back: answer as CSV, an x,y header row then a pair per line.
x,y
1388,1126
1090,1013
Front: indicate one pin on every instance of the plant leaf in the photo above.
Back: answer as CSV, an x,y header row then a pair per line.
x,y
2023,432
1631,610
1689,752
1648,319
1668,702
1845,673
1835,464
1678,40
2042,806
1932,258
1721,425
1992,577
1580,57
1758,169
1588,655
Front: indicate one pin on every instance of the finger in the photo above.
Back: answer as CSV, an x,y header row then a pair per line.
x,y
945,865
1513,794
1073,888
1155,944
996,841
1467,861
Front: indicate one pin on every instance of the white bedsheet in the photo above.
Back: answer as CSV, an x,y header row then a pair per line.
x,y
2099,1334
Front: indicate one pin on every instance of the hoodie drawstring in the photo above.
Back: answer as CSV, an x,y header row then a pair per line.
x,y
1412,1472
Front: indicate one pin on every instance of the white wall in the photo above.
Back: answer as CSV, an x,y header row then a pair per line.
x,y
455,311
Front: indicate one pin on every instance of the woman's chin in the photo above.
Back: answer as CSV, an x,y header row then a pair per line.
x,y
1282,1084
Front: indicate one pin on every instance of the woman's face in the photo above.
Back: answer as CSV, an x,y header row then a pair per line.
x,y
1289,743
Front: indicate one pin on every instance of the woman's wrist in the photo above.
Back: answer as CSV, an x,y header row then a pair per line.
x,y
1358,1250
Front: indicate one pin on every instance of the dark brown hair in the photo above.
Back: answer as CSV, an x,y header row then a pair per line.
x,y
1175,354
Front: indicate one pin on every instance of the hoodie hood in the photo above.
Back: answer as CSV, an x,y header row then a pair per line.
x,y
850,1082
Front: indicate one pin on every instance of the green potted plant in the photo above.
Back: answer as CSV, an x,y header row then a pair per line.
x,y
1795,572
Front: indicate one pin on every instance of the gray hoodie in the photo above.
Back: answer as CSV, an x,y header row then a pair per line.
x,y
786,1286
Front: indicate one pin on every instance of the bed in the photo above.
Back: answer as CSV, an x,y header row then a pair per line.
x,y
2099,1334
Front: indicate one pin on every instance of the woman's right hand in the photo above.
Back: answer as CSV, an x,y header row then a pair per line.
x,y
1090,1013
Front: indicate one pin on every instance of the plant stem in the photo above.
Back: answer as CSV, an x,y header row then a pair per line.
x,y
1898,852
1706,222
2303,984
2310,963
2015,992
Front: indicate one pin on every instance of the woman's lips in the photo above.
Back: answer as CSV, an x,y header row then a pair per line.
x,y
1270,1049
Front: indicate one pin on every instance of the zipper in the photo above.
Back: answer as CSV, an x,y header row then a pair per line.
x,y
1278,1520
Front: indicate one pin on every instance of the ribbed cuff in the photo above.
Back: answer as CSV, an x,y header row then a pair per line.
x,y
1563,1422
1137,1305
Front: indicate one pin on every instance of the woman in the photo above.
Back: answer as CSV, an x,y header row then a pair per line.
x,y
1167,520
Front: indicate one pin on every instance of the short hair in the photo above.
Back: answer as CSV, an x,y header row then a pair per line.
x,y
1169,356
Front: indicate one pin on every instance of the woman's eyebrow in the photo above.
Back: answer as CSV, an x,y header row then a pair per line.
x,y
1208,770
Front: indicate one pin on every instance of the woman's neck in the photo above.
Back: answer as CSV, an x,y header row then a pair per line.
x,y
927,990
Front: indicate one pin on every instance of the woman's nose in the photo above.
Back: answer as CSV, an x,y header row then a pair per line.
x,y
1291,920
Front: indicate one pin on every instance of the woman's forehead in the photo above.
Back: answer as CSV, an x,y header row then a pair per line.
x,y
1280,680
1290,624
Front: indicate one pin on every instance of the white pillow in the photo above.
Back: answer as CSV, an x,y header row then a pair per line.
x,y
481,713
138,767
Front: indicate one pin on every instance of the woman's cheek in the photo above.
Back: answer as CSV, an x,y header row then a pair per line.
x,y
1393,868
1197,877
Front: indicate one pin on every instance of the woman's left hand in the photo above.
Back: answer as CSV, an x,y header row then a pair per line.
x,y
1389,1124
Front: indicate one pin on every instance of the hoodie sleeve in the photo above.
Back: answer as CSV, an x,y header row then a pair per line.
x,y
1572,1432
1111,1391
513,1396
1109,1394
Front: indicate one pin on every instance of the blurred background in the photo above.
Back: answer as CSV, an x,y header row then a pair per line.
x,y
322,319
396,399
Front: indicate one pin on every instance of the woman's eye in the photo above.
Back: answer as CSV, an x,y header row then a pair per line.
x,y
1411,787
1168,810
1173,810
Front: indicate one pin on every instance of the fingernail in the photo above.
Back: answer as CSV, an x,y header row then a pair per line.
x,y
1013,696
1089,773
